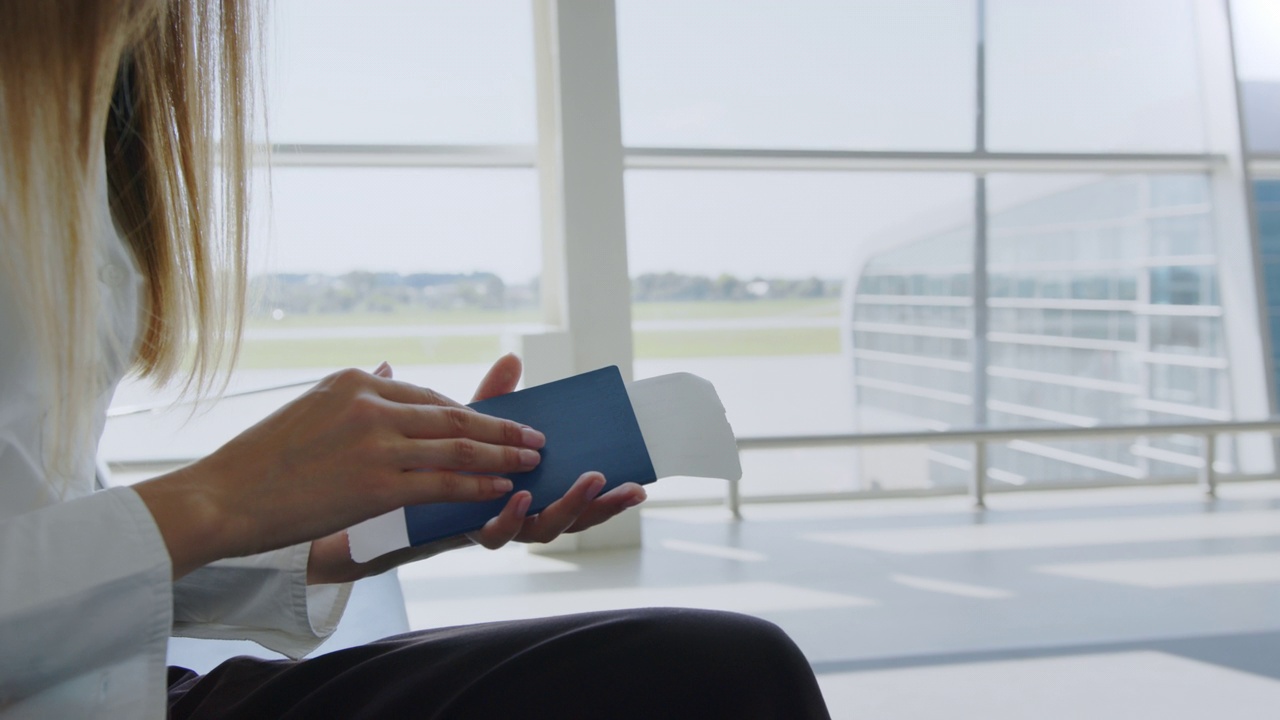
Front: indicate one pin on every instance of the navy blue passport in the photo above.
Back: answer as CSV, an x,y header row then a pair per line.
x,y
589,424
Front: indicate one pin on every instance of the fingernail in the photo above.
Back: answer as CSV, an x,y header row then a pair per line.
x,y
381,367
529,458
501,485
637,496
597,484
522,505
532,438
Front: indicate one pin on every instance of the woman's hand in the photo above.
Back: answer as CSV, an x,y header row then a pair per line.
x,y
580,508
353,447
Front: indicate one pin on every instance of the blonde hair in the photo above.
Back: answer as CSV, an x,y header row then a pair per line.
x,y
166,86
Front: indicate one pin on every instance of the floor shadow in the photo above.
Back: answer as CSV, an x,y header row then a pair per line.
x,y
1257,653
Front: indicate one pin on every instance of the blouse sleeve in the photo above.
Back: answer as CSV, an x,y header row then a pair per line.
x,y
264,598
97,561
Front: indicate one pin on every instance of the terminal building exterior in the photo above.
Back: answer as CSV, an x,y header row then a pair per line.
x,y
1103,308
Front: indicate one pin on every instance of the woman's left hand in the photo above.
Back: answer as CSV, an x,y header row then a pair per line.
x,y
581,507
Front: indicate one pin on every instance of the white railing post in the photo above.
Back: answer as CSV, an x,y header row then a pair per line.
x,y
735,498
1208,477
978,482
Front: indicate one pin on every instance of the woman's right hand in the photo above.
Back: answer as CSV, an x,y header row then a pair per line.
x,y
355,446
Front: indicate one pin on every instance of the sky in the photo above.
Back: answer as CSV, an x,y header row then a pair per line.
x,y
1071,75
1257,31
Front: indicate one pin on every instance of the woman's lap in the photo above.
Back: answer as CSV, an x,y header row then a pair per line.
x,y
652,663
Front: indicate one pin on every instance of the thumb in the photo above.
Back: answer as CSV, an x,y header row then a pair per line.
x,y
501,379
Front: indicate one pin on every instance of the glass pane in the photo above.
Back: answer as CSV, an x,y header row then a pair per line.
x,y
861,74
1104,310
410,220
1256,26
748,279
401,72
1093,75
1267,206
433,270
1260,103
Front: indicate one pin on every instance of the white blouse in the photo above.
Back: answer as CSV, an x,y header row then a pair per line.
x,y
87,600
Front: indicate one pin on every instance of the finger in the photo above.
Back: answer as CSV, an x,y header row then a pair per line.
x,y
612,503
561,514
503,528
410,394
501,379
433,486
467,455
383,370
431,423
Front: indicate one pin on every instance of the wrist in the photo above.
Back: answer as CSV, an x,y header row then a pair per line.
x,y
191,518
330,560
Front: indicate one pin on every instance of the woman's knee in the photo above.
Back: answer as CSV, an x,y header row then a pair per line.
x,y
730,660
714,630
713,646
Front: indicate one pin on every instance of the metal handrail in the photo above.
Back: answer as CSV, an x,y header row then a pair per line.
x,y
939,437
690,158
981,437
146,408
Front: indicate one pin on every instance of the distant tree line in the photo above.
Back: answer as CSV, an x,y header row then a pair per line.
x,y
670,286
298,294
383,292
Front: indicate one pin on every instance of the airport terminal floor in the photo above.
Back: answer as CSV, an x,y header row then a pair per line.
x,y
1115,603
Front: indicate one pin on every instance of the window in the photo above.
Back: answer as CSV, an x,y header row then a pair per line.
x,y
803,182
403,213
1093,76
401,72
847,74
748,279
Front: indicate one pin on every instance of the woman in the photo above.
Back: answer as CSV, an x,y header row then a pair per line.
x,y
113,116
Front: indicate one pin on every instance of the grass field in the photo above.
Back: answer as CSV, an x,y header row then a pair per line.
x,y
728,310
726,343
339,352
410,350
